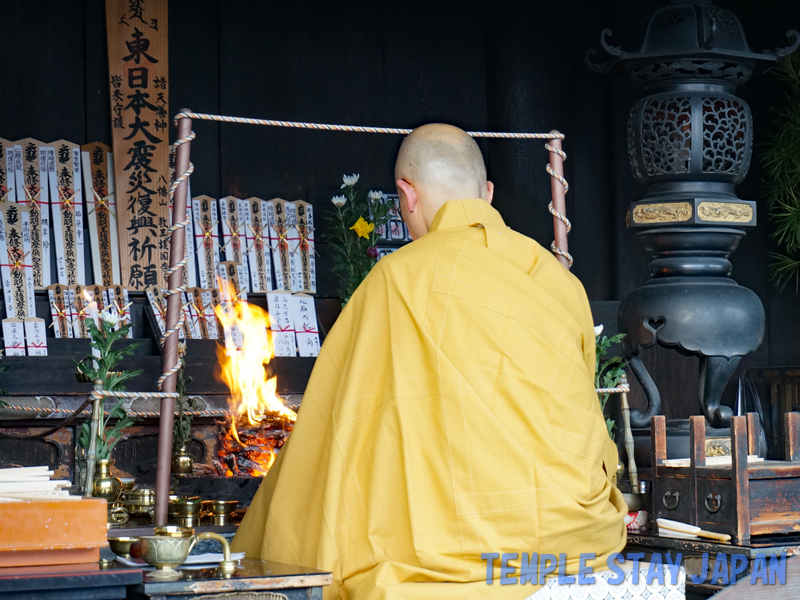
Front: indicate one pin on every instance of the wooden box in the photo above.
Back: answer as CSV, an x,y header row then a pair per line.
x,y
739,499
52,532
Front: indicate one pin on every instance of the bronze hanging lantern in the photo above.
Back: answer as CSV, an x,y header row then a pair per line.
x,y
689,145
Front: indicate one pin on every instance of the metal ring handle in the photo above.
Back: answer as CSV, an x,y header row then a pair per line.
x,y
670,500
713,502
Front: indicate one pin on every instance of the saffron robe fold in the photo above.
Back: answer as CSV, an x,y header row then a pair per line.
x,y
451,412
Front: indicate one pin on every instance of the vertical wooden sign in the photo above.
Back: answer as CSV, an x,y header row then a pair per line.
x,y
101,210
258,248
206,221
138,67
234,234
6,181
64,171
305,247
37,199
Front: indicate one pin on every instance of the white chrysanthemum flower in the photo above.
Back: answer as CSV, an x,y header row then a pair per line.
x,y
375,196
350,180
598,329
110,317
339,201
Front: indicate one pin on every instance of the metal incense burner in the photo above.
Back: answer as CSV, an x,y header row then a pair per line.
x,y
689,145
171,545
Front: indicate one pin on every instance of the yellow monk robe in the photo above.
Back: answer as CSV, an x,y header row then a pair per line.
x,y
451,412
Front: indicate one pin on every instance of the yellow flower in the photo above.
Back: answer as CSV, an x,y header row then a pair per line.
x,y
363,228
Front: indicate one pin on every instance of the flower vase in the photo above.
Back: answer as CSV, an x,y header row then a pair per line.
x,y
182,460
104,484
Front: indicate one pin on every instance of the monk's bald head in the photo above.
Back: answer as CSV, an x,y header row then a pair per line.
x,y
445,158
440,162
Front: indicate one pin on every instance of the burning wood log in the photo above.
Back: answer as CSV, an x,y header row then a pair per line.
x,y
252,451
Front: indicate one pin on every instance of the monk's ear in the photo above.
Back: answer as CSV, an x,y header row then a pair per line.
x,y
409,192
489,191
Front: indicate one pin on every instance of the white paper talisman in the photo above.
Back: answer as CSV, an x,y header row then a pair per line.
x,y
281,322
206,220
14,337
35,337
304,314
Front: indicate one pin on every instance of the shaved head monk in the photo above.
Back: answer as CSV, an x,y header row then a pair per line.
x,y
451,412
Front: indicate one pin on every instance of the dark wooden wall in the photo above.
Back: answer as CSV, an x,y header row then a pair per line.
x,y
501,65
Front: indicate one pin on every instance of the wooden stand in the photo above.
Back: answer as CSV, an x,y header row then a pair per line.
x,y
741,500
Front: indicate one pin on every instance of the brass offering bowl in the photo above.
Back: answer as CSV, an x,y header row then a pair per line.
x,y
185,511
121,546
219,511
139,501
165,552
634,501
127,484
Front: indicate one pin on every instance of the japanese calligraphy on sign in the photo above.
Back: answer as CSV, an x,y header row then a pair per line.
x,y
101,210
66,192
138,84
36,194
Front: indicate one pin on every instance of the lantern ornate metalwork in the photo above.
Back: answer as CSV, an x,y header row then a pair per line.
x,y
689,145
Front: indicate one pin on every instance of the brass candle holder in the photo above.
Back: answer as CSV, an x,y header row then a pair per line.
x,y
219,512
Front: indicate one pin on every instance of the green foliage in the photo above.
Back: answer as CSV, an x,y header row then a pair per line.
x,y
182,426
608,372
354,255
102,339
781,159
3,369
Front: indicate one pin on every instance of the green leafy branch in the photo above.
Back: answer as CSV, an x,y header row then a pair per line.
x,y
102,339
182,427
608,372
781,160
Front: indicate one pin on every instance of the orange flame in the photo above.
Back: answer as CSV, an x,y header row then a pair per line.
x,y
248,348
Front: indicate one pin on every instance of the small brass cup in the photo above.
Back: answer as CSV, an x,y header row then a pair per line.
x,y
121,546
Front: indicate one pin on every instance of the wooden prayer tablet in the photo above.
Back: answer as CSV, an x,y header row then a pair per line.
x,y
234,233
37,199
66,197
205,217
101,211
259,252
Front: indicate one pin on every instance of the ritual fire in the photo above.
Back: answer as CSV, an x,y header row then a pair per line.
x,y
259,422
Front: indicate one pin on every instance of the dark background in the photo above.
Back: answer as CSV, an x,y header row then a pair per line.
x,y
501,65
